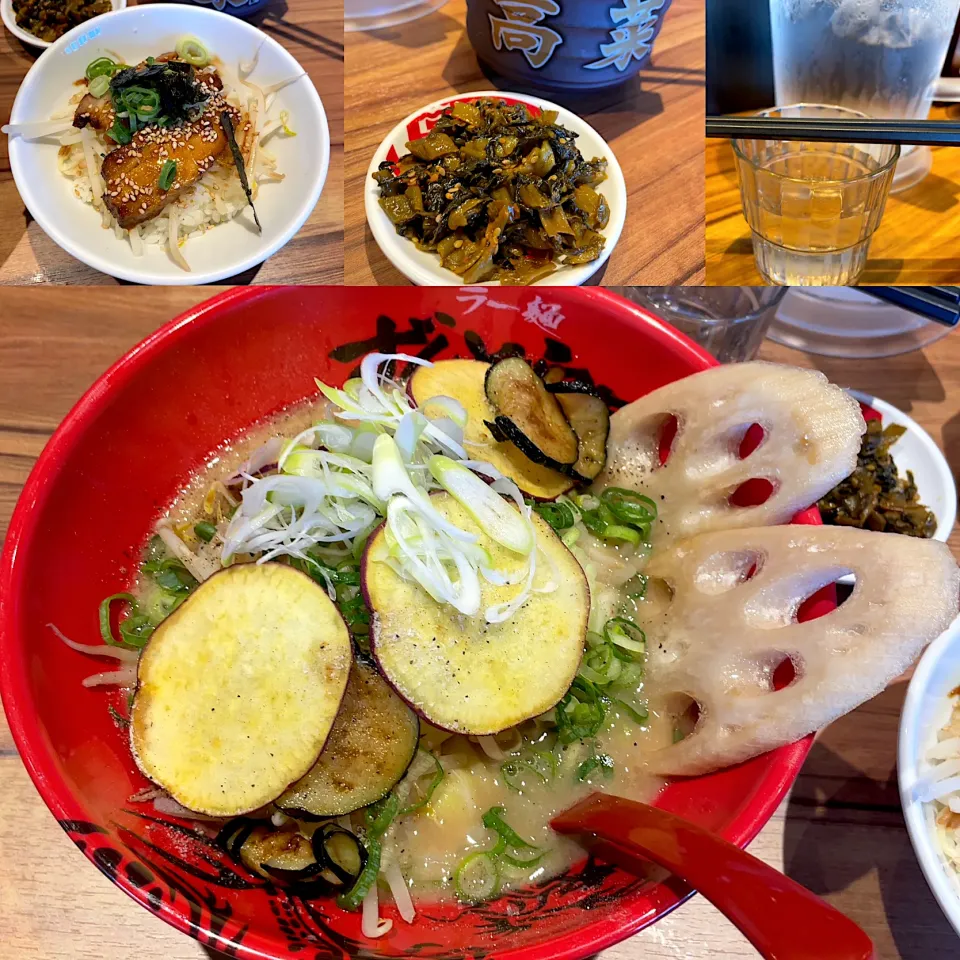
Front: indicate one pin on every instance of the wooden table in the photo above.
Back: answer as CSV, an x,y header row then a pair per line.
x,y
840,832
312,30
915,244
653,124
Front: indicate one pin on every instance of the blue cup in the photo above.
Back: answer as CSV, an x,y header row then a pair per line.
x,y
565,45
239,8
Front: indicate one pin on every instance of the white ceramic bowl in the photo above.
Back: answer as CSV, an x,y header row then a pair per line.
x,y
424,268
925,710
10,22
916,451
135,33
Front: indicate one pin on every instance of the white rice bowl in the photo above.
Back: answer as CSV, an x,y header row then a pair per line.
x,y
212,220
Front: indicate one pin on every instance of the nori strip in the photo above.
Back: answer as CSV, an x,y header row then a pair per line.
x,y
227,124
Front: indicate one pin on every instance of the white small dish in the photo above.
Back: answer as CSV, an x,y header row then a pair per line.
x,y
925,710
135,33
424,268
916,451
10,22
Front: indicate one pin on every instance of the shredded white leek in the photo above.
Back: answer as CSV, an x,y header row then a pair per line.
x,y
382,457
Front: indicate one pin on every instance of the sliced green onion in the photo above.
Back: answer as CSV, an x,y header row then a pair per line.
x,y
638,716
493,820
168,173
205,531
598,761
558,515
497,518
616,531
600,665
622,633
119,133
523,858
141,102
136,629
193,51
106,630
431,789
378,817
99,85
477,878
629,507
101,67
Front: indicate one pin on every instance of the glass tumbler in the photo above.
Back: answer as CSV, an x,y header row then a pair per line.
x,y
728,322
881,57
813,208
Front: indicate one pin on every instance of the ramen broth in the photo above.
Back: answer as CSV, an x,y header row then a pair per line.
x,y
429,845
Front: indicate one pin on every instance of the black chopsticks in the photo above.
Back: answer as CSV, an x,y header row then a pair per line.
x,y
941,304
934,133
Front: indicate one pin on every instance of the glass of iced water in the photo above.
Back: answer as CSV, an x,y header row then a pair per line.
x,y
880,57
728,322
813,208
375,14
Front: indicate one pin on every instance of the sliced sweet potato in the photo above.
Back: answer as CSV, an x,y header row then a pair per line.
x,y
464,381
238,688
369,749
462,673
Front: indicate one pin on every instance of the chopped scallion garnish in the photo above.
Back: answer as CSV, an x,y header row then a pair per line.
x,y
168,173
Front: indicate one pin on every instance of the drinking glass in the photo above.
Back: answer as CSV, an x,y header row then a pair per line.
x,y
728,322
374,14
881,57
812,208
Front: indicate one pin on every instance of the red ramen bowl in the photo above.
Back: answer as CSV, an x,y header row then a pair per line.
x,y
121,456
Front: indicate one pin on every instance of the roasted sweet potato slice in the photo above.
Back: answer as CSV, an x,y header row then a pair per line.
x,y
369,749
464,381
238,688
462,673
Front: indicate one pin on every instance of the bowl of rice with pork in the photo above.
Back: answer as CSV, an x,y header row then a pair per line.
x,y
169,149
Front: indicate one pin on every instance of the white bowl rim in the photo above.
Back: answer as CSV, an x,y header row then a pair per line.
x,y
944,476
911,740
93,259
10,22
394,247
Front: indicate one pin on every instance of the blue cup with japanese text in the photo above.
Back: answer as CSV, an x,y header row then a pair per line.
x,y
565,45
239,8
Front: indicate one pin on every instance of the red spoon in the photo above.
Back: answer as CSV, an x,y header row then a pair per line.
x,y
783,920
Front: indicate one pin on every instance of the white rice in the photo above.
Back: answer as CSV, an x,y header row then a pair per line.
x,y
217,196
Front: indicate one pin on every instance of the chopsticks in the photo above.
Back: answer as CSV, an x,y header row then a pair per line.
x,y
941,304
943,133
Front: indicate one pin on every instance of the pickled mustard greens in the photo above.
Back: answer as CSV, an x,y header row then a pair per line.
x,y
498,192
875,496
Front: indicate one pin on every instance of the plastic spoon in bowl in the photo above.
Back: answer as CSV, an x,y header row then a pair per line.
x,y
783,920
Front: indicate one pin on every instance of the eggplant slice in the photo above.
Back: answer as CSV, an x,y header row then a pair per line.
x,y
463,380
528,416
239,687
462,673
373,741
589,416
